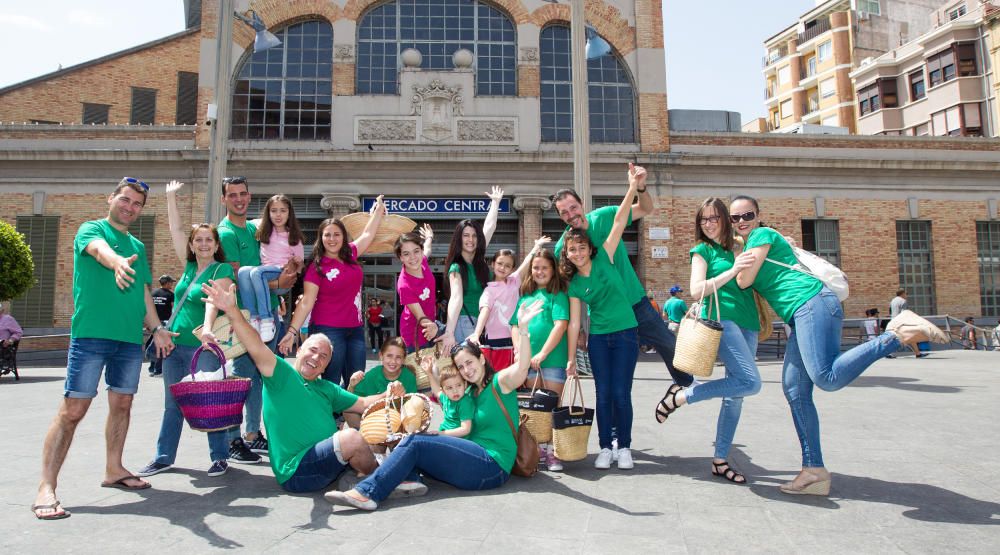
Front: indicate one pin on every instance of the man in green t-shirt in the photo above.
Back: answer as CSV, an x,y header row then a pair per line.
x,y
112,301
675,308
238,238
652,329
307,451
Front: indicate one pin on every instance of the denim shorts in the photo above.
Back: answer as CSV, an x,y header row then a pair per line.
x,y
553,375
87,357
320,466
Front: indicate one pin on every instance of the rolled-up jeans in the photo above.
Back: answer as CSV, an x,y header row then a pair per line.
x,y
612,360
736,349
653,331
813,357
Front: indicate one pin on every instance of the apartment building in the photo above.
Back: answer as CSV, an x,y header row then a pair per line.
x,y
807,65
941,83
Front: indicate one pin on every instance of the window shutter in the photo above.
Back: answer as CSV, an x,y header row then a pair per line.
x,y
187,98
144,229
35,308
95,113
143,106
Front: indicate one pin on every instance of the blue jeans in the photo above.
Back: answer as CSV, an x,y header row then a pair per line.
x,y
244,367
121,363
464,327
254,292
742,379
175,367
348,352
452,460
653,331
317,469
813,357
612,359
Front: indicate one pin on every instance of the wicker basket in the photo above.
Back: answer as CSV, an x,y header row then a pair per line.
x,y
698,340
225,336
392,226
537,404
214,405
380,429
571,425
412,362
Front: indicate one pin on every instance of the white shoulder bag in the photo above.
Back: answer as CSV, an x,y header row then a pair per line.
x,y
833,277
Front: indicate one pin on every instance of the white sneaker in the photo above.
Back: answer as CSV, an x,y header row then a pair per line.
x,y
255,324
267,329
625,459
603,461
555,465
614,449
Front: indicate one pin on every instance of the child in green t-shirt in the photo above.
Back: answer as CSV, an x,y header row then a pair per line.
x,y
452,391
377,379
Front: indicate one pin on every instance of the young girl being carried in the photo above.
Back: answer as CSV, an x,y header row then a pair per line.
x,y
496,306
280,244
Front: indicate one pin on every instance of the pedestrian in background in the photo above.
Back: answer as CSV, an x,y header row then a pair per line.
x,y
675,309
163,301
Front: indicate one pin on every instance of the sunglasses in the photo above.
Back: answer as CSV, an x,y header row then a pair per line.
x,y
135,181
234,180
746,217
709,220
459,346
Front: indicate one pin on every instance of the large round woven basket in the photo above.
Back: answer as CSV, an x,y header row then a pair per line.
x,y
392,226
213,405
374,416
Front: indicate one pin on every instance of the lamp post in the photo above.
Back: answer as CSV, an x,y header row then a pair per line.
x,y
581,112
219,149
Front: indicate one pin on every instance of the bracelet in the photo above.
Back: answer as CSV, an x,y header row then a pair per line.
x,y
156,329
638,190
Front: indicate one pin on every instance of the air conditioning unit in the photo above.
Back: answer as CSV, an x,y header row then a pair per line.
x,y
862,16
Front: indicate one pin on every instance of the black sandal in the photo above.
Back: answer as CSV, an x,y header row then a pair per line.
x,y
668,404
723,470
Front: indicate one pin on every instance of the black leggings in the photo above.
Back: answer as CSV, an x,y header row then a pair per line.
x,y
375,335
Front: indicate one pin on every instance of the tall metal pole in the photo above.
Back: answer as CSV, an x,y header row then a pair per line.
x,y
219,149
581,113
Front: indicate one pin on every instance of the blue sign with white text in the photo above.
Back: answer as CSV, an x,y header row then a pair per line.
x,y
469,205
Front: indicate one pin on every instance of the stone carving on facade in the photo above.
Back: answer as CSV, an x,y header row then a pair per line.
x,y
387,130
343,53
529,54
436,104
532,202
340,204
486,131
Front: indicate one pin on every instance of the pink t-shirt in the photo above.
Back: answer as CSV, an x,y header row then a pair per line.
x,y
501,297
277,251
338,302
415,290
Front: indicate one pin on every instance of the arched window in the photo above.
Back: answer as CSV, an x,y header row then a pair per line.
x,y
437,28
609,90
286,92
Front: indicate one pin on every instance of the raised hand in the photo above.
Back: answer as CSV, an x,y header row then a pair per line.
x,y
222,298
355,380
496,194
123,271
527,312
379,209
174,186
636,176
542,240
426,232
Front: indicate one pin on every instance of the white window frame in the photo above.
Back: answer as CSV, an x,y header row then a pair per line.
x,y
785,109
824,51
784,75
873,7
832,82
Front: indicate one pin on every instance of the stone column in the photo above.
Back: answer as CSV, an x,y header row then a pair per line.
x,y
340,205
530,208
795,68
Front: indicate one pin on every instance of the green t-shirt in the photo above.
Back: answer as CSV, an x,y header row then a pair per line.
x,y
554,307
735,304
602,290
240,245
490,429
455,412
784,289
101,310
375,382
473,290
192,314
599,223
675,308
299,414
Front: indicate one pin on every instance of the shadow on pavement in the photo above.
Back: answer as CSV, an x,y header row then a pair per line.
x,y
903,384
28,379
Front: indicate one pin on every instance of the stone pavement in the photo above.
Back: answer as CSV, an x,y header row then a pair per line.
x,y
912,444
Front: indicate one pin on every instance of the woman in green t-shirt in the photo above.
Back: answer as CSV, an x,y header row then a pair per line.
x,y
481,460
816,317
713,271
467,272
201,253
613,342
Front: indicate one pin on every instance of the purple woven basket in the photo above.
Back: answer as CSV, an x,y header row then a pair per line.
x,y
214,405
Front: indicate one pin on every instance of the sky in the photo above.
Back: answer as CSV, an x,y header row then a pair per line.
x,y
713,49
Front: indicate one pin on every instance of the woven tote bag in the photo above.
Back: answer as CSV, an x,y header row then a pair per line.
x,y
537,404
571,424
698,339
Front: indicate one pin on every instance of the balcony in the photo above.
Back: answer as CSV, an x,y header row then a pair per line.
x,y
821,26
775,54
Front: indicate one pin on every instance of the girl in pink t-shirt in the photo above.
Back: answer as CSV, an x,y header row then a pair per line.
x,y
417,289
496,305
280,240
332,295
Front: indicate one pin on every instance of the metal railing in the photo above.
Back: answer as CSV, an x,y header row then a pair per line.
x,y
821,26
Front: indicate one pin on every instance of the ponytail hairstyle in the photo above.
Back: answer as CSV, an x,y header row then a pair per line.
x,y
319,251
295,236
573,236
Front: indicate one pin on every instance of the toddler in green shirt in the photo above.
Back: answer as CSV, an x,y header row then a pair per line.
x,y
452,391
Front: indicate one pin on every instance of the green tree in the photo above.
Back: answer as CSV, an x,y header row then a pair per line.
x,y
17,269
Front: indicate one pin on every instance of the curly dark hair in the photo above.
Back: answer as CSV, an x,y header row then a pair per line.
x,y
578,236
318,252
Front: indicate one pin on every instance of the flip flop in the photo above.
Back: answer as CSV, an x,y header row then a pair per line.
x,y
120,483
58,515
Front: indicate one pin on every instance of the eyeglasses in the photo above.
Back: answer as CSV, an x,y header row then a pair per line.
x,y
709,220
746,217
234,180
135,181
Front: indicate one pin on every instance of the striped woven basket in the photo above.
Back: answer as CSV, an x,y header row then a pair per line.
x,y
213,405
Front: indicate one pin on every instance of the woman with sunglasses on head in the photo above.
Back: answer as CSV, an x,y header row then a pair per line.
x,y
815,316
613,342
481,460
714,267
